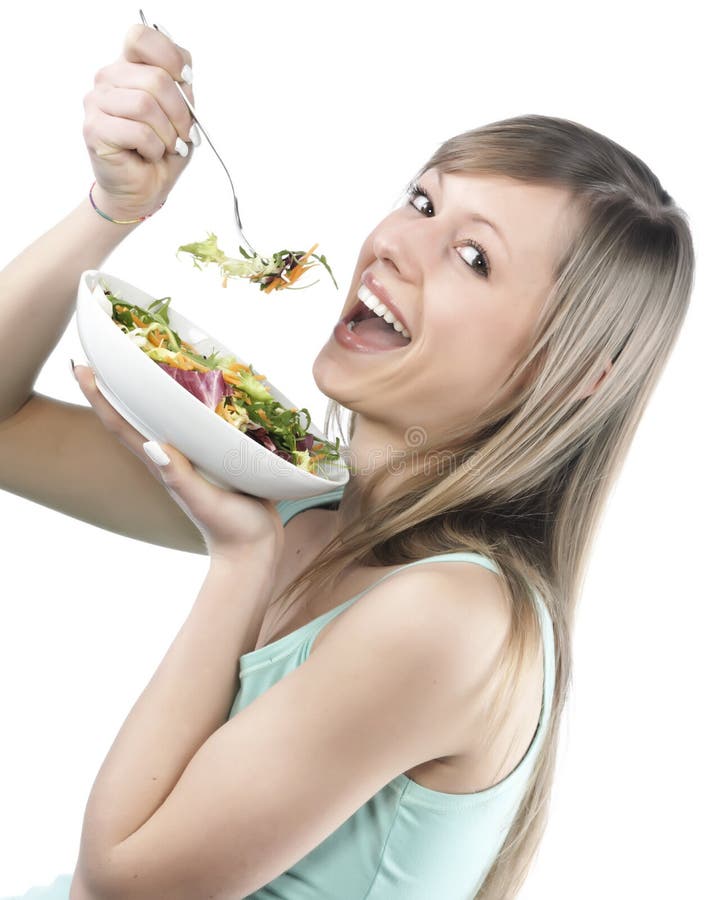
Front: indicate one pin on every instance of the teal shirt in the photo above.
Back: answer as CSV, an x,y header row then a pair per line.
x,y
407,842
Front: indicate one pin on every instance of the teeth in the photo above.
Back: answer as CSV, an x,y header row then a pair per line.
x,y
373,303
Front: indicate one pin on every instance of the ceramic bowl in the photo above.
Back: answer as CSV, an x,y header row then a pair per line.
x,y
162,410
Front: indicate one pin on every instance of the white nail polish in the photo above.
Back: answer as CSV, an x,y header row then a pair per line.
x,y
186,74
156,453
195,135
181,147
165,32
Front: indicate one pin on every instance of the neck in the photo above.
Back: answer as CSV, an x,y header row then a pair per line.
x,y
373,446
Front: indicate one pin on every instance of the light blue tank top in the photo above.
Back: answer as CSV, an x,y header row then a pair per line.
x,y
407,842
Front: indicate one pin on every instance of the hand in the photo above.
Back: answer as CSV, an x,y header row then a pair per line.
x,y
228,520
133,118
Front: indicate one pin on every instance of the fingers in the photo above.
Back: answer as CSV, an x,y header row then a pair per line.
x,y
110,418
108,135
169,111
137,95
139,108
145,45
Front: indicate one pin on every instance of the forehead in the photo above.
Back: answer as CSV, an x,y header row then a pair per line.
x,y
536,220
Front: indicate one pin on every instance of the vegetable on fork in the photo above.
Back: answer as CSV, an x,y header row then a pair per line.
x,y
280,271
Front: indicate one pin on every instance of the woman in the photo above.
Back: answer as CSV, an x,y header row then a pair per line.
x,y
404,745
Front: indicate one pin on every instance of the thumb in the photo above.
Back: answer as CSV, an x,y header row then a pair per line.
x,y
175,469
172,466
157,455
193,493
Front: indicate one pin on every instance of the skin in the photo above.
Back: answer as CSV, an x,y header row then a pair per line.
x,y
467,330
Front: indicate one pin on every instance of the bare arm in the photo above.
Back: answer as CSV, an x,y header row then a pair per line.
x,y
55,453
62,456
37,295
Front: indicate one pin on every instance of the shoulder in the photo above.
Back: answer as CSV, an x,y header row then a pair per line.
x,y
449,618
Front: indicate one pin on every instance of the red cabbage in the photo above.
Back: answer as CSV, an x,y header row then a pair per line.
x,y
209,387
262,437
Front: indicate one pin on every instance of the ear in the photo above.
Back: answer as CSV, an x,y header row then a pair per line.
x,y
590,389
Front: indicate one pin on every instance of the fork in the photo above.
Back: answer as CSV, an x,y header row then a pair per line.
x,y
243,239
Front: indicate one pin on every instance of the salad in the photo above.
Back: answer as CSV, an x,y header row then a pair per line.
x,y
233,390
278,272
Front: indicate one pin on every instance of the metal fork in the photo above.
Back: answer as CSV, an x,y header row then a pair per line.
x,y
207,138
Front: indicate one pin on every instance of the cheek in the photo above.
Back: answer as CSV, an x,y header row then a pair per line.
x,y
469,352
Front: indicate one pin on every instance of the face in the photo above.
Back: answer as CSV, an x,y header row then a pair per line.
x,y
468,293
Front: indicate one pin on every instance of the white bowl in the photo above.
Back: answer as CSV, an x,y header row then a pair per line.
x,y
162,410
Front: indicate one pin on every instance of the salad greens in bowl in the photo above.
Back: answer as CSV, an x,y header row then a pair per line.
x,y
178,385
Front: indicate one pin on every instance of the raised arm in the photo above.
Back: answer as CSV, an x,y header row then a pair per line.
x,y
56,453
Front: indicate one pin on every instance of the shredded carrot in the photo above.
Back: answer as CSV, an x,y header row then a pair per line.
x,y
276,282
138,322
298,273
154,338
238,365
231,379
185,363
308,254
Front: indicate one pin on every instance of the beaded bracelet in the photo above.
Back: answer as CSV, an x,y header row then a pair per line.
x,y
120,221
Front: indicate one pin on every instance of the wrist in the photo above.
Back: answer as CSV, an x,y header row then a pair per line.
x,y
261,555
117,210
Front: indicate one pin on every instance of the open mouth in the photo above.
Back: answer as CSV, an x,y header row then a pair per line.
x,y
363,329
368,308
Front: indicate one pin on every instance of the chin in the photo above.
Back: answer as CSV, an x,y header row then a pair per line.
x,y
330,378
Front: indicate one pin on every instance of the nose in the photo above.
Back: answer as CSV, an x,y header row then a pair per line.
x,y
403,245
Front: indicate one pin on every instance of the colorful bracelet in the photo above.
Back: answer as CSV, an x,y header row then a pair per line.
x,y
120,221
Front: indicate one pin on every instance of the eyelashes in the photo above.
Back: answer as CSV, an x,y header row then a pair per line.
x,y
414,191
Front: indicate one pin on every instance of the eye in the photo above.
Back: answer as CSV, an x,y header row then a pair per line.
x,y
477,257
478,261
415,191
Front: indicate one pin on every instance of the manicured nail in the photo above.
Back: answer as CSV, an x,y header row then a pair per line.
x,y
165,32
181,147
195,135
156,453
186,74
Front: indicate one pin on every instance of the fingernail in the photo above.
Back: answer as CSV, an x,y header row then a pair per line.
x,y
156,453
181,147
165,32
72,367
186,74
195,135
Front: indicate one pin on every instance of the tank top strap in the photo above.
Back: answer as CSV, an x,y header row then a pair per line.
x,y
482,560
290,508
462,556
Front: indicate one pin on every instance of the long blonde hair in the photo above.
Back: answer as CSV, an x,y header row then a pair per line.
x,y
529,478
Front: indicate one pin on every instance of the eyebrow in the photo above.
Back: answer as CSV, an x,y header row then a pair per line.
x,y
475,217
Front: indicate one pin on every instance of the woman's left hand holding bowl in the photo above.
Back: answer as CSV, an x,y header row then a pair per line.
x,y
229,521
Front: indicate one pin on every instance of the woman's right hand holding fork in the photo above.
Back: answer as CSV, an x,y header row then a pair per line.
x,y
137,128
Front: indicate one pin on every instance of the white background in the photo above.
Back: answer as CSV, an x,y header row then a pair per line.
x,y
323,112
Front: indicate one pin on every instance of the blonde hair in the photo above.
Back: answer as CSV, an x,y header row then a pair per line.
x,y
529,477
